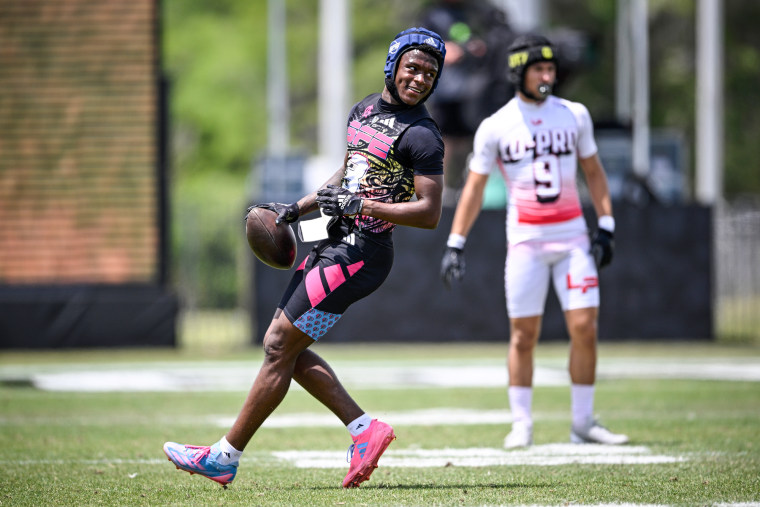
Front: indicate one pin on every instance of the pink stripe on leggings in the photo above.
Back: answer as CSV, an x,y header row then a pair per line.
x,y
333,275
314,287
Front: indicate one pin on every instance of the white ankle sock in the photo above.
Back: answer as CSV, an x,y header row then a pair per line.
x,y
358,425
229,454
582,403
520,403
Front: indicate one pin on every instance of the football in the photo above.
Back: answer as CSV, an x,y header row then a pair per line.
x,y
274,245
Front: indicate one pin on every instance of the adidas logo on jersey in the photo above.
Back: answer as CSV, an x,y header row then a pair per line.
x,y
388,122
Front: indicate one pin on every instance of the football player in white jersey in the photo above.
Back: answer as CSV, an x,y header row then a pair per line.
x,y
537,140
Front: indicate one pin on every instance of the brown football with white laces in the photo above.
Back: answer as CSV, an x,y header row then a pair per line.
x,y
273,244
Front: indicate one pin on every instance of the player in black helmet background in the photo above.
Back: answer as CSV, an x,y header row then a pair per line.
x,y
477,35
392,174
537,141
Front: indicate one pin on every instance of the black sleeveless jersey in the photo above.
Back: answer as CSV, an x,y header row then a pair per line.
x,y
381,163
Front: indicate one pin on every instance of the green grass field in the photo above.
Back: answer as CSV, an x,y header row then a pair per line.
x,y
693,441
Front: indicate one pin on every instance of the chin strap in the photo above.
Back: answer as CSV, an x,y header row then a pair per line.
x,y
391,86
393,90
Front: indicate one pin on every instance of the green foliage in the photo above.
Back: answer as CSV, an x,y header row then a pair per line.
x,y
215,56
209,238
672,55
742,122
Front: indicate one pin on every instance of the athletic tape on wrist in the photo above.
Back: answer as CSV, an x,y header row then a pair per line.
x,y
456,241
607,223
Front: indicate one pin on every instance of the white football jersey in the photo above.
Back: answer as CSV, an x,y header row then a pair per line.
x,y
536,147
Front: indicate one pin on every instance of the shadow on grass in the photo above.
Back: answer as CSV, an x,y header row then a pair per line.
x,y
417,486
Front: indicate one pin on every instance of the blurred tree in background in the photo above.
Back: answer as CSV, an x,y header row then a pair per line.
x,y
672,56
215,59
214,55
742,77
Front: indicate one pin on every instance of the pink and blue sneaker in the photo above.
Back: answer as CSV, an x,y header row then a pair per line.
x,y
366,451
201,460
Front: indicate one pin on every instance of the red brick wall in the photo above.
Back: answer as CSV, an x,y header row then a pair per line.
x,y
78,178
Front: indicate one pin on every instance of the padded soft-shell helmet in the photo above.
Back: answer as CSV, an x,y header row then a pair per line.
x,y
410,39
525,51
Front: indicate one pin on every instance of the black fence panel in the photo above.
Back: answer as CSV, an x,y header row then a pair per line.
x,y
87,316
657,288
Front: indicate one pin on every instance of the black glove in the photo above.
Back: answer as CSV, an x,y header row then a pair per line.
x,y
452,265
602,247
338,201
287,213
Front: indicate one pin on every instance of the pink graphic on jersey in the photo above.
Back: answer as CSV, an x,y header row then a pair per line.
x,y
334,277
531,211
378,143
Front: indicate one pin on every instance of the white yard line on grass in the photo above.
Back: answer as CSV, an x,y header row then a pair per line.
x,y
237,376
537,455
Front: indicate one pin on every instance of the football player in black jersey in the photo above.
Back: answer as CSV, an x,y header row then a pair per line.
x,y
394,154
